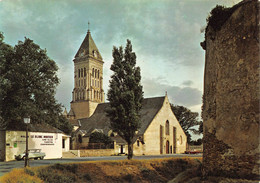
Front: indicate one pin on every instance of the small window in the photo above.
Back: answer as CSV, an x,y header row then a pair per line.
x,y
167,128
79,73
93,71
85,73
63,143
98,73
138,143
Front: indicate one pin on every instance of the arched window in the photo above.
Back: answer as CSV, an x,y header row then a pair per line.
x,y
167,128
93,72
85,73
79,73
96,73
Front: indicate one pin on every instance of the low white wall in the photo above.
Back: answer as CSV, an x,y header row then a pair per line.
x,y
50,143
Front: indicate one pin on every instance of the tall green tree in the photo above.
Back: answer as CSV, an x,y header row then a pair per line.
x,y
188,120
5,53
125,95
32,78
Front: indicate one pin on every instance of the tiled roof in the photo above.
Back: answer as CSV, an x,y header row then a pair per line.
x,y
74,122
42,127
71,113
99,120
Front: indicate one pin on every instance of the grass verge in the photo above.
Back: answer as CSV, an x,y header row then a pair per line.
x,y
160,170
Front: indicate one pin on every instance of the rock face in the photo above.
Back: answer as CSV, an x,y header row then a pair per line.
x,y
231,95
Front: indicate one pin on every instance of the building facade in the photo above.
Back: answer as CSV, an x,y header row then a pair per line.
x,y
50,140
160,131
88,80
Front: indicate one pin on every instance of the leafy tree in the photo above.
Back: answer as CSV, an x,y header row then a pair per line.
x,y
32,79
125,95
187,120
98,137
5,53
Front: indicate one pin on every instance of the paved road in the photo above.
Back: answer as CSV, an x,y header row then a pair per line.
x,y
6,167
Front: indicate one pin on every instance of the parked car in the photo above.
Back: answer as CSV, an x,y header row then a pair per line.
x,y
32,154
193,152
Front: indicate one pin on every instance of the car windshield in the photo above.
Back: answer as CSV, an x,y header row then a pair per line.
x,y
33,151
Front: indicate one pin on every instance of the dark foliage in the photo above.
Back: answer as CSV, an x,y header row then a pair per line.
x,y
219,15
188,120
125,95
28,83
98,137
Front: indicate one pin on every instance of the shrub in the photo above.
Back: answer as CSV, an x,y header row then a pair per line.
x,y
86,177
65,167
29,171
128,178
54,176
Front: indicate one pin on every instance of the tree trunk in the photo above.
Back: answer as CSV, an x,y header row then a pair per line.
x,y
130,151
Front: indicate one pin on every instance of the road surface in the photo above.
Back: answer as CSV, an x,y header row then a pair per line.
x,y
6,167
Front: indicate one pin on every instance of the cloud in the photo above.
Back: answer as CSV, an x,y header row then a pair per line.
x,y
165,36
187,83
186,96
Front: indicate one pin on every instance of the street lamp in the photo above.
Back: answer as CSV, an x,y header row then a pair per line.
x,y
26,121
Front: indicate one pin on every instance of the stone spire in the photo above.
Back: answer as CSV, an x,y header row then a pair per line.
x,y
88,48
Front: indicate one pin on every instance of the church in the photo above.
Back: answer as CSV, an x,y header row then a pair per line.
x,y
160,131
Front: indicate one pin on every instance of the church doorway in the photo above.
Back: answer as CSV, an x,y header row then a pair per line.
x,y
122,149
167,147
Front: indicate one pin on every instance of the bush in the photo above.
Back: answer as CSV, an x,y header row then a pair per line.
x,y
55,176
65,167
29,171
86,177
128,178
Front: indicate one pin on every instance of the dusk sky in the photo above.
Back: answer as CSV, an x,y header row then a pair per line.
x,y
165,35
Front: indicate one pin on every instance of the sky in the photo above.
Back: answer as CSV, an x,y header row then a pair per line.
x,y
165,35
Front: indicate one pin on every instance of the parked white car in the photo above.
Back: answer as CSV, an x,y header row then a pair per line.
x,y
32,154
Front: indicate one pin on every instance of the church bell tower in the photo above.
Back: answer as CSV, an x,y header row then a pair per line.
x,y
88,80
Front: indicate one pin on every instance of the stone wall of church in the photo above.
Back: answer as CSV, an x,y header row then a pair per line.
x,y
83,109
231,95
157,142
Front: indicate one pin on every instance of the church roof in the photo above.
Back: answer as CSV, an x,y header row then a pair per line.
x,y
99,120
88,47
65,113
71,113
